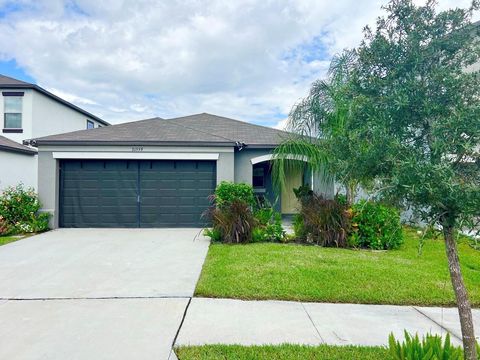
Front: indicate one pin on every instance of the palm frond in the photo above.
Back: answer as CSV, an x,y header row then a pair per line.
x,y
296,155
341,67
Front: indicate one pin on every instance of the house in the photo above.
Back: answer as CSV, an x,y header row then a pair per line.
x,y
157,172
30,111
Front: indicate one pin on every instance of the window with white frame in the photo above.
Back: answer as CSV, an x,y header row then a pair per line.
x,y
12,110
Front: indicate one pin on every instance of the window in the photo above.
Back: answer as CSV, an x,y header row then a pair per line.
x,y
90,124
258,177
12,110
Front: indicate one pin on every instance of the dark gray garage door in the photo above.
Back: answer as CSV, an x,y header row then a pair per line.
x,y
131,193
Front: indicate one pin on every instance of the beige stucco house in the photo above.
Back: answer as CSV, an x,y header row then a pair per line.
x,y
158,172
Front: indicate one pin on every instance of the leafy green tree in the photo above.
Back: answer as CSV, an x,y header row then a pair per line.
x,y
418,107
403,111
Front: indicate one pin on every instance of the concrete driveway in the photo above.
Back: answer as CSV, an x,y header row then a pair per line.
x,y
97,293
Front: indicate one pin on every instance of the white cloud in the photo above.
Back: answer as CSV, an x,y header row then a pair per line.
x,y
71,97
281,125
123,60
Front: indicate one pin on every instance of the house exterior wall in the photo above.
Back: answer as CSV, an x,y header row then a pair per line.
x,y
243,164
17,168
50,117
43,116
243,172
232,165
323,186
48,167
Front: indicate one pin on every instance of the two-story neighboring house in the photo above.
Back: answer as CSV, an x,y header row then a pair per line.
x,y
29,111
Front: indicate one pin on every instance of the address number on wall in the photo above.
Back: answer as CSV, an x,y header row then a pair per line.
x,y
137,148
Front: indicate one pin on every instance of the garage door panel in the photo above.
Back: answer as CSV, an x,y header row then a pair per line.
x,y
158,193
187,183
204,177
98,193
179,194
204,185
182,201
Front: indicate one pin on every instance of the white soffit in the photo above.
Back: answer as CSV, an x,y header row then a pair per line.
x,y
134,155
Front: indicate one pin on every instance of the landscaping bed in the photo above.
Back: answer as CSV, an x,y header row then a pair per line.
x,y
281,352
319,274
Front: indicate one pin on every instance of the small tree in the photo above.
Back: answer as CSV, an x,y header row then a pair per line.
x,y
418,107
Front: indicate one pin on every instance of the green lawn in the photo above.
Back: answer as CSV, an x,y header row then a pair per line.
x,y
281,352
8,239
312,273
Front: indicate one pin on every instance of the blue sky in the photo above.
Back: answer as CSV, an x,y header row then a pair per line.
x,y
12,69
125,60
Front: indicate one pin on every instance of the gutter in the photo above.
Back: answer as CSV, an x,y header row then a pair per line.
x,y
18,150
37,143
239,146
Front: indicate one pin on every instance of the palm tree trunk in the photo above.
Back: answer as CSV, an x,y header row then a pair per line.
x,y
350,188
464,309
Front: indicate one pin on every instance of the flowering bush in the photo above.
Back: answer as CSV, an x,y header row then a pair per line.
x,y
19,211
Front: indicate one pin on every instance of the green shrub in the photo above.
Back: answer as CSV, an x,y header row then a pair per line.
x,y
227,192
19,211
269,226
274,230
429,348
214,234
258,234
325,222
299,227
342,199
302,192
234,221
264,215
375,226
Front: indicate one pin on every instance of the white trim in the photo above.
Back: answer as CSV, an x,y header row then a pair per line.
x,y
135,155
128,149
260,159
269,157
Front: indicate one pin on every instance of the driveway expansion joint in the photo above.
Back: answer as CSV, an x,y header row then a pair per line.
x,y
180,326
438,323
314,326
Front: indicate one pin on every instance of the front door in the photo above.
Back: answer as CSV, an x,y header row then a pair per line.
x,y
290,203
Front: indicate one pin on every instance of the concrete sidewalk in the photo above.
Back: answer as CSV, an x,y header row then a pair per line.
x,y
224,321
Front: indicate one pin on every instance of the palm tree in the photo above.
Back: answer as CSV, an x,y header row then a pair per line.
x,y
319,124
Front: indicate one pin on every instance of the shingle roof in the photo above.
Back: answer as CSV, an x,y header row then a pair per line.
x,y
10,145
7,80
199,129
11,83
